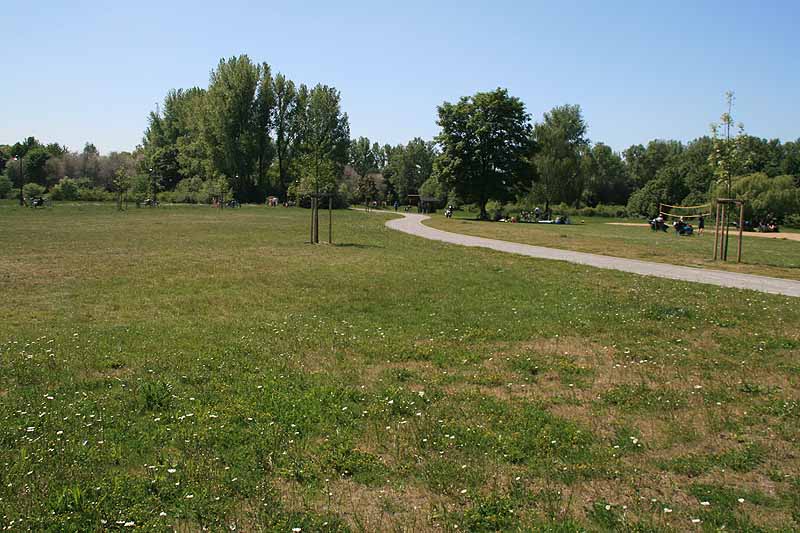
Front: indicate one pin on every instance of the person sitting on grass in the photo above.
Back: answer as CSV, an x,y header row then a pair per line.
x,y
658,223
682,228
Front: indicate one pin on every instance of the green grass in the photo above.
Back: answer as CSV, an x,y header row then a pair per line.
x,y
210,366
763,256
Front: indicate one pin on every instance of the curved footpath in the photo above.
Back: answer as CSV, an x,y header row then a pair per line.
x,y
412,224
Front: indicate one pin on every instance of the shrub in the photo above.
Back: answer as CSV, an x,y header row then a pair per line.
x,y
5,185
187,191
645,201
66,189
214,187
140,187
766,197
29,190
95,194
793,221
495,210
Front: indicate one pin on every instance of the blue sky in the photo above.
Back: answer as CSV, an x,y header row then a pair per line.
x,y
78,71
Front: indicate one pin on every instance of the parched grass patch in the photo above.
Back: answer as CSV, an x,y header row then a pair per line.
x,y
743,459
188,368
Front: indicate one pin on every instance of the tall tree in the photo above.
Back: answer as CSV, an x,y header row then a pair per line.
x,y
230,121
362,156
264,113
608,181
484,140
643,163
363,160
728,158
284,123
193,157
5,156
560,145
325,140
791,160
35,163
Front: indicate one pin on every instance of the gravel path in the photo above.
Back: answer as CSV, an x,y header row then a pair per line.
x,y
412,224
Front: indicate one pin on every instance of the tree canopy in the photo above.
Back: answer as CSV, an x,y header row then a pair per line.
x,y
484,141
254,133
560,146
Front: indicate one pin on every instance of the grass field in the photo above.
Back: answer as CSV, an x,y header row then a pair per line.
x,y
185,367
766,257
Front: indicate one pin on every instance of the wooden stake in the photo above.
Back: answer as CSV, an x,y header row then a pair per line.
x,y
741,228
724,243
311,237
330,219
716,232
316,220
727,230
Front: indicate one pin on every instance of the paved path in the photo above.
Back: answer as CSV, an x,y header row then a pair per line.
x,y
412,224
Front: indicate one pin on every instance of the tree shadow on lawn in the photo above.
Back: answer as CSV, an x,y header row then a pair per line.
x,y
355,245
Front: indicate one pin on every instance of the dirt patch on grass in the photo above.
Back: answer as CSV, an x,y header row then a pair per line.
x,y
384,508
562,345
96,374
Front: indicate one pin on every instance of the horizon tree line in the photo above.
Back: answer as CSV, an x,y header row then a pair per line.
x,y
256,134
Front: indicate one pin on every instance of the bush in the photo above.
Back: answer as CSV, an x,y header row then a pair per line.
x,y
187,191
766,197
95,194
213,188
646,200
66,189
5,185
140,187
792,221
30,190
495,210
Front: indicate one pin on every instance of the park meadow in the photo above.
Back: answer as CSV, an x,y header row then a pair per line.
x,y
188,368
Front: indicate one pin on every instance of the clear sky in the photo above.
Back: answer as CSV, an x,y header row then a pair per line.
x,y
81,71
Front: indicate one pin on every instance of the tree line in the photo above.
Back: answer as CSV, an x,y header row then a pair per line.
x,y
490,150
253,134
261,134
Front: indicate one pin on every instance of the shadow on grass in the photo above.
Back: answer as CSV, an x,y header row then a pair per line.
x,y
355,245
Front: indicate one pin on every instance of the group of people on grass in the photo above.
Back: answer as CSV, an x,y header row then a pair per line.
x,y
680,226
536,216
767,225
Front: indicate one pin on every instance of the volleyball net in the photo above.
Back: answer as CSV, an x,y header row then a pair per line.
x,y
684,211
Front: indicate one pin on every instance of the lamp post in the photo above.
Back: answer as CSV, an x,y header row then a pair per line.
x,y
153,182
21,179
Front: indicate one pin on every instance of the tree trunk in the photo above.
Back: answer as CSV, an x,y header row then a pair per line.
x,y
483,215
282,177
